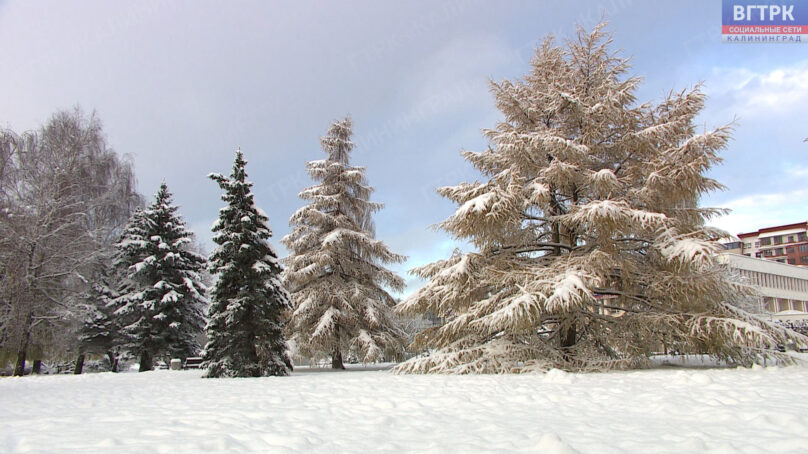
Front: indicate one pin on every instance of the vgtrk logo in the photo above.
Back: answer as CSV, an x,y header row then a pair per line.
x,y
762,21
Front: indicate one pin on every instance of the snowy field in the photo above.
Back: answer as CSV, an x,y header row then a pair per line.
x,y
669,410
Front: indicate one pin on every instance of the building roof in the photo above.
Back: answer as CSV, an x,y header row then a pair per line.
x,y
796,225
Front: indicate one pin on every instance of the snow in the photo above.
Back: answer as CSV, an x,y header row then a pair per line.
x,y
616,211
688,250
334,235
569,291
665,410
477,204
538,191
171,297
605,176
326,322
261,267
148,261
524,307
461,267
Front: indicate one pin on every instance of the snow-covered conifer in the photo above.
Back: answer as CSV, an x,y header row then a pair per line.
x,y
162,295
100,332
249,304
591,249
335,270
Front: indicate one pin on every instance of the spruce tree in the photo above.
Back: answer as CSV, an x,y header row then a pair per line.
x,y
249,304
101,332
162,295
590,248
335,269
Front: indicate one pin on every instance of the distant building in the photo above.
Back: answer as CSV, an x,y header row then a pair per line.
x,y
783,287
783,243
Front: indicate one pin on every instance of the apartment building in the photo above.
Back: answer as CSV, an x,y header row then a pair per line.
x,y
783,243
783,288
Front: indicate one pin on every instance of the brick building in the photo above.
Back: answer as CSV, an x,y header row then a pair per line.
x,y
783,243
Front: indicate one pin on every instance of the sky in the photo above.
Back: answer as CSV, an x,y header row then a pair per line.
x,y
179,85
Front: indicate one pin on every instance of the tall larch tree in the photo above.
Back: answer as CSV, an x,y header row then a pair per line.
x,y
590,247
335,271
162,297
249,305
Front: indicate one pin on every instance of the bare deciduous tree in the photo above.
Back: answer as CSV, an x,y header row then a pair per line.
x,y
64,195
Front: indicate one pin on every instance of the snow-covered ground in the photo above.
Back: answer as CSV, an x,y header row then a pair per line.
x,y
669,410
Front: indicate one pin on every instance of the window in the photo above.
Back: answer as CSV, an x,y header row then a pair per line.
x,y
768,303
790,239
766,241
790,250
778,251
747,245
802,236
778,239
804,259
792,261
804,248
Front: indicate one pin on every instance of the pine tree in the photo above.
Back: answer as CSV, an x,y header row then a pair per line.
x,y
101,333
591,249
249,304
335,272
162,296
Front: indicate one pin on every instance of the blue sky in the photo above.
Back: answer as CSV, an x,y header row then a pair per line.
x,y
179,85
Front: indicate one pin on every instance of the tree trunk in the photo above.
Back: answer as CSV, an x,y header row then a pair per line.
x,y
113,361
37,369
22,352
145,362
79,368
568,340
336,359
19,367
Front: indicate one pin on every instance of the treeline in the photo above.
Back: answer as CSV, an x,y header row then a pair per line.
x,y
64,198
86,269
591,250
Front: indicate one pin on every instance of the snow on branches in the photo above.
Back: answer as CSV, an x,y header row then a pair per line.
x,y
591,248
335,270
249,304
162,297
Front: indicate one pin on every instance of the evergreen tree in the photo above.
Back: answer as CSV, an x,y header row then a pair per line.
x,y
335,272
591,249
162,296
101,333
249,304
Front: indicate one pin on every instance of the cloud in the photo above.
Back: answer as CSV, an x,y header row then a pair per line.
x,y
752,212
754,94
798,172
767,200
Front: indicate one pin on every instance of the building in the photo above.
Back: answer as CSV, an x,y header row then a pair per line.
x,y
783,243
783,287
